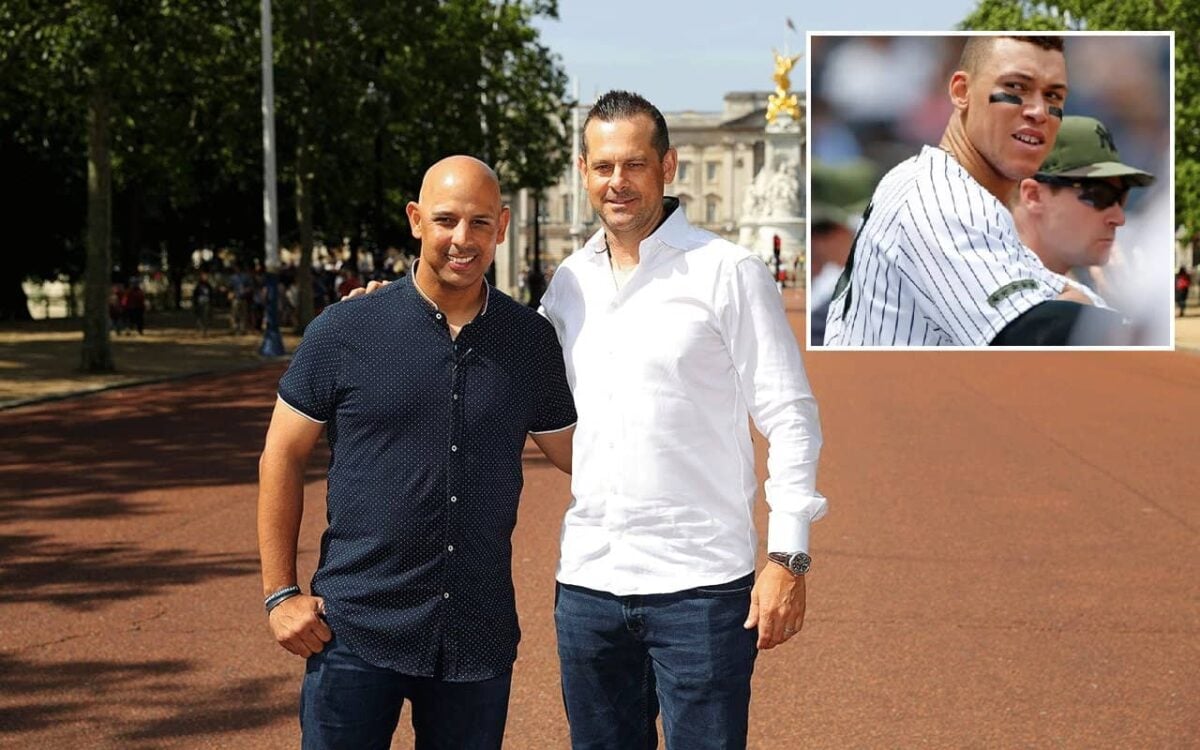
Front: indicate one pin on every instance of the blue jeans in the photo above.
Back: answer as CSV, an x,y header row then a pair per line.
x,y
346,703
625,657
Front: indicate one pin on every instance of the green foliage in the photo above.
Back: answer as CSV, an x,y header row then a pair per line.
x,y
1129,15
372,92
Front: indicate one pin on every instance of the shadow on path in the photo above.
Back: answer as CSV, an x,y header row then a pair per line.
x,y
84,578
134,704
85,454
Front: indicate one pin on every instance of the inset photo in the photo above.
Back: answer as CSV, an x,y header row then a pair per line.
x,y
991,190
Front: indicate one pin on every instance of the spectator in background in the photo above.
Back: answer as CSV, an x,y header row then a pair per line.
x,y
240,292
289,301
349,281
1183,284
258,299
133,304
116,315
202,295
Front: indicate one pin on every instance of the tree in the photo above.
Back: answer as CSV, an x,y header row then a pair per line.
x,y
1129,15
110,82
148,114
367,101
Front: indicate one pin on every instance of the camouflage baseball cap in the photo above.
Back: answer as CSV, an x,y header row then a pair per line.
x,y
1085,149
841,192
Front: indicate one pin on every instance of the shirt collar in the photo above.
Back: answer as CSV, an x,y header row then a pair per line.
x,y
669,232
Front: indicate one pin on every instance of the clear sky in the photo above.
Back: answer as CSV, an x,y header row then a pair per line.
x,y
687,55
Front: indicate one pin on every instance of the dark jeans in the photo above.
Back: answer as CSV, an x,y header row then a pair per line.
x,y
348,704
624,657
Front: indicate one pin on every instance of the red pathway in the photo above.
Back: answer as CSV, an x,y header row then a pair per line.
x,y
1012,559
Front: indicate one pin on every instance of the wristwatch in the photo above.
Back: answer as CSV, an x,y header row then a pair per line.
x,y
797,563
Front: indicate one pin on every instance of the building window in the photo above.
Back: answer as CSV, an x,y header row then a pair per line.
x,y
684,203
712,205
684,168
710,170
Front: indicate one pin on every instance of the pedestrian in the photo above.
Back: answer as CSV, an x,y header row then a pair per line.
x,y
674,340
289,301
1183,283
133,304
349,281
1068,213
202,295
240,292
116,312
937,260
428,389
257,304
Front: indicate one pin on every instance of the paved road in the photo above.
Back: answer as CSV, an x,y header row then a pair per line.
x,y
1011,560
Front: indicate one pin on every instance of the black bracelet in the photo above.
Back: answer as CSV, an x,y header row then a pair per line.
x,y
280,596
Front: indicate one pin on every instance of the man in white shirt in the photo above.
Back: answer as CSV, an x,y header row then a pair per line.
x,y
674,339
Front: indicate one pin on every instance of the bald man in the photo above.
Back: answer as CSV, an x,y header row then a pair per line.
x,y
426,392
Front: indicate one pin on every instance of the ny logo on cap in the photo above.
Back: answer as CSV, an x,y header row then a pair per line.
x,y
1106,139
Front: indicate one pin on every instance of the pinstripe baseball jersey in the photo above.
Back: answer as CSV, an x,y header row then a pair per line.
x,y
937,262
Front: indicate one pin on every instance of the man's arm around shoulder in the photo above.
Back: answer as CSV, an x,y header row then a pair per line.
x,y
296,622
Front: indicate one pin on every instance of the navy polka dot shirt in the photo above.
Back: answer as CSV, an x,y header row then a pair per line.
x,y
425,434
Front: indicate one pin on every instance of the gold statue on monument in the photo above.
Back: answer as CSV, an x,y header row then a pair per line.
x,y
783,100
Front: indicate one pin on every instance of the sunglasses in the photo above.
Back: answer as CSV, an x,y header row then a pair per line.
x,y
1096,193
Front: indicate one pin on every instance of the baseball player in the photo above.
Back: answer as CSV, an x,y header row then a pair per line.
x,y
1068,213
937,260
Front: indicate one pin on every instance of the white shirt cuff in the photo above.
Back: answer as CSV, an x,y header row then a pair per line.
x,y
787,532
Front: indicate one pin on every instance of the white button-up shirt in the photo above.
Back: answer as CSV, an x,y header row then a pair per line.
x,y
667,373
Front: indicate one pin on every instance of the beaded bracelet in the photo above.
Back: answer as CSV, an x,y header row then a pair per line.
x,y
280,596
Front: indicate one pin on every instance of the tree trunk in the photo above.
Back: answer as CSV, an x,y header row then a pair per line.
x,y
97,351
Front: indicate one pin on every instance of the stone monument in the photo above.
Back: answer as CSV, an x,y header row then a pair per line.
x,y
774,201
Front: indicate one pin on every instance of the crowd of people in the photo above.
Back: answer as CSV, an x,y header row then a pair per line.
x,y
239,292
127,307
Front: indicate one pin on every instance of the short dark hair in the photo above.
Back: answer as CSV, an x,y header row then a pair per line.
x,y
977,47
623,105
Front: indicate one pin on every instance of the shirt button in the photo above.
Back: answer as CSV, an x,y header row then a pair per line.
x,y
439,317
454,498
449,547
455,397
446,595
453,448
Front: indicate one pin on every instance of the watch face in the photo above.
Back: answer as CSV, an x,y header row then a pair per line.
x,y
800,563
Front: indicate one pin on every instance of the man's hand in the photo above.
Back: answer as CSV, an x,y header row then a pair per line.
x,y
298,627
372,286
776,606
